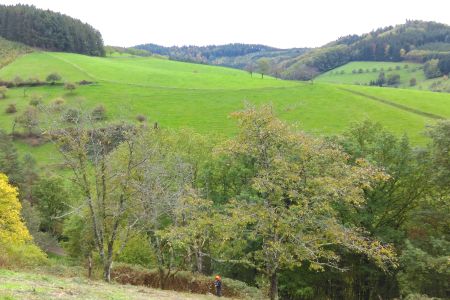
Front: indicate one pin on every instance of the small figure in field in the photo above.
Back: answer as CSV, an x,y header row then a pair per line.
x,y
218,285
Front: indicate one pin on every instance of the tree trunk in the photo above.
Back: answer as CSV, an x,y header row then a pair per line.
x,y
199,261
90,266
107,270
273,292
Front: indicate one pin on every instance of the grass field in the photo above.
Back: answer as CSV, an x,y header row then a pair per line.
x,y
370,70
201,97
33,286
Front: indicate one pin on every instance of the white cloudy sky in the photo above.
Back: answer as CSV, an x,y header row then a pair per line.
x,y
279,23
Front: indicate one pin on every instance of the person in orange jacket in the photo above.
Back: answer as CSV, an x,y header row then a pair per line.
x,y
218,285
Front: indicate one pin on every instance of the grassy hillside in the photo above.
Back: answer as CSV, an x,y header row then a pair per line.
x,y
362,72
416,41
201,97
9,51
33,286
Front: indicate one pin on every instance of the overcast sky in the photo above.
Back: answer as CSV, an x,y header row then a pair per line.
x,y
278,23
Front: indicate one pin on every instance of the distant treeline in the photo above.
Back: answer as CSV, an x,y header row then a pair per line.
x,y
235,55
49,30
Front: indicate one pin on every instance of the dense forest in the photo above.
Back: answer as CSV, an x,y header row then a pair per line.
x,y
49,30
413,41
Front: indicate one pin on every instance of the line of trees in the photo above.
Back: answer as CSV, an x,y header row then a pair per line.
x,y
49,30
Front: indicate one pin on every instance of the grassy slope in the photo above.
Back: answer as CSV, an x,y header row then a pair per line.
x,y
335,76
413,71
9,51
32,286
177,94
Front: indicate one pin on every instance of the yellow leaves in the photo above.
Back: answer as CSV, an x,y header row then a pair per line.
x,y
12,229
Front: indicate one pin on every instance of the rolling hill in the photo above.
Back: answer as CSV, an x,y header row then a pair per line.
x,y
416,41
177,94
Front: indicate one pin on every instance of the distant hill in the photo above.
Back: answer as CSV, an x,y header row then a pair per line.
x,y
231,55
416,41
49,30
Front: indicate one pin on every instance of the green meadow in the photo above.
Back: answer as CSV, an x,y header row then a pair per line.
x,y
369,70
201,97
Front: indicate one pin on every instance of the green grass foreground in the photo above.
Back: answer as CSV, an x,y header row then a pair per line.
x,y
33,286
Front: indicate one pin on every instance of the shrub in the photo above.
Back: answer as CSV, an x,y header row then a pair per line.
x,y
53,77
141,118
36,100
70,86
72,115
137,252
3,91
397,68
431,69
99,113
18,81
374,70
412,81
183,281
29,120
11,109
393,79
57,104
16,246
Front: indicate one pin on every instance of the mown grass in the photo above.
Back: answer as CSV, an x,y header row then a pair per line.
x,y
33,286
9,51
201,97
371,70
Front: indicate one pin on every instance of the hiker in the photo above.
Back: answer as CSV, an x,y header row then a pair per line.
x,y
218,285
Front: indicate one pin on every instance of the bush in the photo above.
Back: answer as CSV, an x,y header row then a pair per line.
x,y
413,81
36,100
57,104
141,118
183,281
11,109
393,79
99,113
431,69
72,115
397,68
137,252
53,77
70,86
24,255
3,91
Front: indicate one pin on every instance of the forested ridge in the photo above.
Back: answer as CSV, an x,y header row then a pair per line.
x,y
234,55
49,30
417,41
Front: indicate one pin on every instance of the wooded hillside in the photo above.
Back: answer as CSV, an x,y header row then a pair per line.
x,y
49,30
